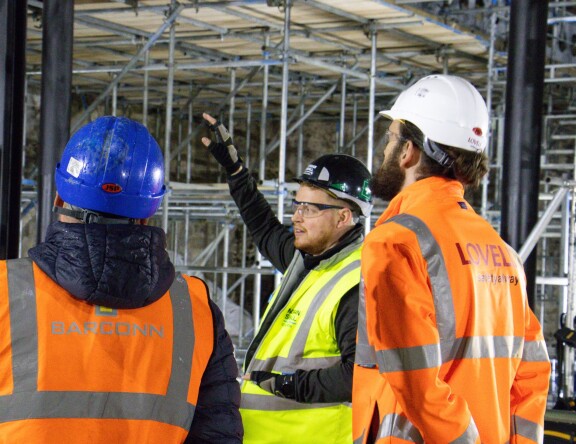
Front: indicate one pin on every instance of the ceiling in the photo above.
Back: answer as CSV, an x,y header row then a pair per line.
x,y
134,57
221,46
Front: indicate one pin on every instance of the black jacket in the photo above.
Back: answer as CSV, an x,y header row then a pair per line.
x,y
276,243
127,266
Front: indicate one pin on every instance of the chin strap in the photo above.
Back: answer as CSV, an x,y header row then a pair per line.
x,y
435,152
92,217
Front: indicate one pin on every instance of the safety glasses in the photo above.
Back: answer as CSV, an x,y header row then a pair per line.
x,y
389,134
309,210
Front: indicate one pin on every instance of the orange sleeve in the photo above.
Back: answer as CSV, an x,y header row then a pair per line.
x,y
530,387
401,319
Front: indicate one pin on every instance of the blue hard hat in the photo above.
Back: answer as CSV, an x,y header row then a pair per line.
x,y
112,165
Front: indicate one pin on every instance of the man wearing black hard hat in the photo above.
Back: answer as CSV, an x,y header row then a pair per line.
x,y
298,368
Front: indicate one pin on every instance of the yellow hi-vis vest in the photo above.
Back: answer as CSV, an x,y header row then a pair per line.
x,y
302,337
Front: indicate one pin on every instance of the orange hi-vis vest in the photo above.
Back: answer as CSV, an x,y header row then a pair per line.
x,y
448,349
72,373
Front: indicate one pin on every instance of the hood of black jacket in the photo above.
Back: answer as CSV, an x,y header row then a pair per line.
x,y
115,266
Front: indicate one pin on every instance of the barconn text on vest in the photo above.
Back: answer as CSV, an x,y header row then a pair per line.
x,y
106,328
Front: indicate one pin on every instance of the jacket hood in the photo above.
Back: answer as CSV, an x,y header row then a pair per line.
x,y
116,266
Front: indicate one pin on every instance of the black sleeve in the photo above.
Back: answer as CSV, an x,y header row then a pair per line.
x,y
274,240
217,418
334,384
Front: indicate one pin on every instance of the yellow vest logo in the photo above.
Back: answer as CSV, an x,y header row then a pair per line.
x,y
291,317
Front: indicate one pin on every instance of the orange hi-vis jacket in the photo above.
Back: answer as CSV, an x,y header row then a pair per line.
x,y
448,348
71,372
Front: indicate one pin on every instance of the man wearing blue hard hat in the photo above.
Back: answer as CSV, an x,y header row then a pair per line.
x,y
103,342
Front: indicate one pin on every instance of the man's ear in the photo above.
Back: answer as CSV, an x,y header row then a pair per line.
x,y
345,217
410,155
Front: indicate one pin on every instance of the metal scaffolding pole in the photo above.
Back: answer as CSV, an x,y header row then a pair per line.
x,y
145,95
261,175
189,162
283,118
300,152
168,126
489,92
342,127
354,125
232,102
242,301
371,110
264,114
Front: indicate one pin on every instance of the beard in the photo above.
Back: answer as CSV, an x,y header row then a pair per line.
x,y
387,182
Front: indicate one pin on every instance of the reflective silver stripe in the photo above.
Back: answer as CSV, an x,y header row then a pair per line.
x,y
299,343
428,356
96,405
365,353
408,358
399,426
27,402
469,435
487,347
526,428
282,364
22,300
295,359
535,351
183,340
274,403
441,290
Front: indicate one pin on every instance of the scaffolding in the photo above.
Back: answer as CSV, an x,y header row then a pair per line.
x,y
292,80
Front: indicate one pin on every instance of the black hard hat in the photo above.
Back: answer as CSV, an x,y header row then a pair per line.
x,y
342,175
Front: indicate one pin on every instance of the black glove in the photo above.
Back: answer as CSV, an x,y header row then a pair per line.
x,y
279,385
223,148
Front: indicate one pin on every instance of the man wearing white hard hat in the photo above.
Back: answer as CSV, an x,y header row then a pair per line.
x,y
448,349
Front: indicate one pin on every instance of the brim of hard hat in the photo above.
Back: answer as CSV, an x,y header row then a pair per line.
x,y
389,114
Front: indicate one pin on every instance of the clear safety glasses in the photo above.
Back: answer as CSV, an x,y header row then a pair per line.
x,y
389,134
309,210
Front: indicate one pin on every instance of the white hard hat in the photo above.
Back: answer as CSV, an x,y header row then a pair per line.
x,y
447,109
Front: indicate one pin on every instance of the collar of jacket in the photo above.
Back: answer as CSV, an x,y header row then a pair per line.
x,y
116,266
351,236
421,193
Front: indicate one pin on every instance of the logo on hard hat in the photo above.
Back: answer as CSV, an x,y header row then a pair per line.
x,y
340,187
477,131
111,188
309,170
422,92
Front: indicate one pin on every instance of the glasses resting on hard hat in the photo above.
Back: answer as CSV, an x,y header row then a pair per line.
x,y
311,209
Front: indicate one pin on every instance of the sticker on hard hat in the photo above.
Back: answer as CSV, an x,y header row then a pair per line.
x,y
309,170
74,167
111,188
477,131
